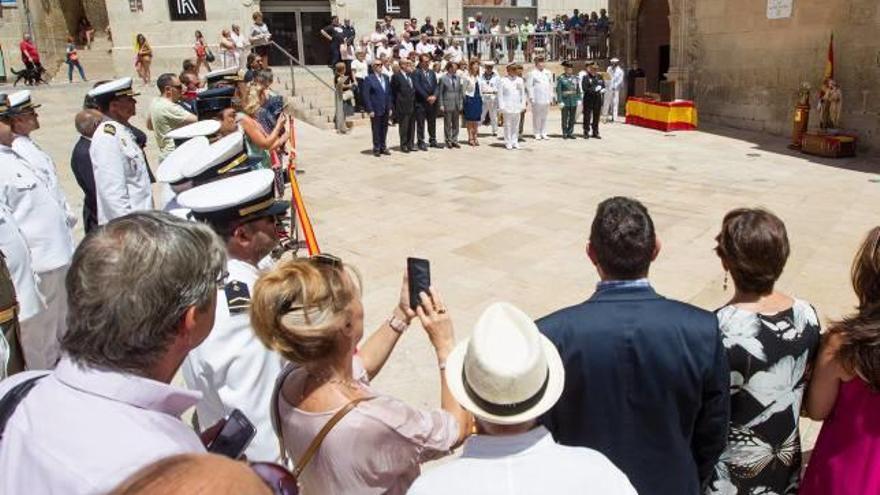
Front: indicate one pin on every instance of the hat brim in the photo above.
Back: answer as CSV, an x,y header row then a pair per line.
x,y
555,385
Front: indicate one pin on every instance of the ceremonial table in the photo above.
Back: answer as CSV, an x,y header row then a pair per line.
x,y
678,115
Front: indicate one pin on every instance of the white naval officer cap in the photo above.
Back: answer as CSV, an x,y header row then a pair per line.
x,y
17,103
614,60
113,89
229,75
171,169
224,157
240,198
205,128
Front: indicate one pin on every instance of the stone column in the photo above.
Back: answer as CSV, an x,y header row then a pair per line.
x,y
679,66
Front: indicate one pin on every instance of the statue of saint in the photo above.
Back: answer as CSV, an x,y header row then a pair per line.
x,y
830,105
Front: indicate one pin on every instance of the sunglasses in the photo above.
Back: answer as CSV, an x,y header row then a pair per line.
x,y
326,259
280,480
221,279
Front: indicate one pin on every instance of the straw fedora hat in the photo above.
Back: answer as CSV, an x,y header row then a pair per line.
x,y
507,372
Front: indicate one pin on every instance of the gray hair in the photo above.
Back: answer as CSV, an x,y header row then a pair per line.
x,y
130,284
86,121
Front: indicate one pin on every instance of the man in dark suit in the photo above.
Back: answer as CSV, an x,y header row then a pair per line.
x,y
427,92
376,95
86,122
593,87
646,378
403,89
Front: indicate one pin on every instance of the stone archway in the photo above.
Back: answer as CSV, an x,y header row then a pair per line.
x,y
653,41
681,22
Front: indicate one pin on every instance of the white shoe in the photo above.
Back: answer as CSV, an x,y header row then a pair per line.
x,y
546,137
508,146
516,146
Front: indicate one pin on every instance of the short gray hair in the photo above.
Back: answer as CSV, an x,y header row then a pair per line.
x,y
130,284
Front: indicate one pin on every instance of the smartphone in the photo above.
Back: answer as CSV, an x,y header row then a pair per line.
x,y
234,437
418,271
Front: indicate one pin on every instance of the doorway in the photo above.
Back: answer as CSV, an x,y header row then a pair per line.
x,y
296,27
653,42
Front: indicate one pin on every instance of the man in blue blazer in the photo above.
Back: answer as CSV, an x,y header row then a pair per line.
x,y
376,95
427,92
646,378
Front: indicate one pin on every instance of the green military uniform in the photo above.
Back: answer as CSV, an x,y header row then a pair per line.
x,y
9,324
568,92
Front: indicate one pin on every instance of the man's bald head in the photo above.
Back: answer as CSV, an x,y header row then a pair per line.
x,y
87,121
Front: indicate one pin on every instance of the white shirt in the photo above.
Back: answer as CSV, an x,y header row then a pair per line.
x,y
489,87
524,464
422,48
511,95
122,183
404,49
457,55
83,430
233,369
540,86
383,51
260,35
239,40
18,261
42,163
617,78
360,69
42,221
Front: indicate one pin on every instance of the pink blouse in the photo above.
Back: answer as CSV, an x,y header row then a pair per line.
x,y
376,448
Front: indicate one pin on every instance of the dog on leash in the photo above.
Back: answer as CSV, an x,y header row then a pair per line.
x,y
31,76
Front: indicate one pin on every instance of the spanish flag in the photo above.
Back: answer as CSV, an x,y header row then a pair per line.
x,y
829,64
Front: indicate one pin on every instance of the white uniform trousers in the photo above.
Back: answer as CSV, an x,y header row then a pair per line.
x,y
539,119
41,334
490,107
511,129
613,98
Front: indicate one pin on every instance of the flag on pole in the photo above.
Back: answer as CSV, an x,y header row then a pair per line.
x,y
829,64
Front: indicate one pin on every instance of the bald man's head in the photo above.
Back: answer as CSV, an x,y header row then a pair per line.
x,y
87,121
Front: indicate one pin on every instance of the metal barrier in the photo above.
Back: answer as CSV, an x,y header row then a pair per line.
x,y
339,117
518,47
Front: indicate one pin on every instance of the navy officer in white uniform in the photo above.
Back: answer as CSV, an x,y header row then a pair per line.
x,y
168,175
122,181
29,196
232,368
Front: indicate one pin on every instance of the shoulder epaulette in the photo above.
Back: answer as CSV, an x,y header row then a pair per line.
x,y
110,129
238,297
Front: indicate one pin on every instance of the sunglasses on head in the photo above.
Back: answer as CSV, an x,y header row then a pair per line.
x,y
326,259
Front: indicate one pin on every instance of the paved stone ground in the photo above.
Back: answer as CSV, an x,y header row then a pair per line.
x,y
512,225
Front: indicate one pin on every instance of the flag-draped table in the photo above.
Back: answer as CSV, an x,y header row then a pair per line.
x,y
679,115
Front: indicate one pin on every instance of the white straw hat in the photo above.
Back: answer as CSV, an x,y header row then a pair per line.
x,y
507,372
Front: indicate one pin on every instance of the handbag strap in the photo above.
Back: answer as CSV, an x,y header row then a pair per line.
x,y
316,443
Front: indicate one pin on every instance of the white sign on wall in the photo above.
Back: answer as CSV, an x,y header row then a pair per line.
x,y
779,9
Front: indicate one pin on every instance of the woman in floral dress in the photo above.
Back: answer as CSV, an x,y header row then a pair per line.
x,y
770,339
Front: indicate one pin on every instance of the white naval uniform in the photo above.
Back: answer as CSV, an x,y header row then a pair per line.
x,y
122,182
232,368
18,261
489,94
618,78
511,102
41,162
43,223
540,89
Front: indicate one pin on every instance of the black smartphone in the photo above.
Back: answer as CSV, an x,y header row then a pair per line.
x,y
418,271
234,437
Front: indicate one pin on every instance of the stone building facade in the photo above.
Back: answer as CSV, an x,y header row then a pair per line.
x,y
743,68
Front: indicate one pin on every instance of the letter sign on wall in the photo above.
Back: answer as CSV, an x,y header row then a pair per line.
x,y
187,10
398,9
779,9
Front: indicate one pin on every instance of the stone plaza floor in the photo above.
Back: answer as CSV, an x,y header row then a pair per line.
x,y
512,225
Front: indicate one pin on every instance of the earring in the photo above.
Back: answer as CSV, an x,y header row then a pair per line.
x,y
725,281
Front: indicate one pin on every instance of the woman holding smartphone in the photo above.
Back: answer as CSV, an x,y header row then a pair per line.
x,y
310,311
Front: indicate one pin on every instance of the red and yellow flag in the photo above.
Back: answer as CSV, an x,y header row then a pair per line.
x,y
829,64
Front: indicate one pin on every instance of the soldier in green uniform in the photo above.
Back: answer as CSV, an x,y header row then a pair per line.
x,y
568,91
11,356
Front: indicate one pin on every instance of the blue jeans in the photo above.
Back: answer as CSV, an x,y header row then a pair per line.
x,y
70,65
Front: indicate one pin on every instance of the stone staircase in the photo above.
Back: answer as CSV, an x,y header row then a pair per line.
x,y
313,102
97,62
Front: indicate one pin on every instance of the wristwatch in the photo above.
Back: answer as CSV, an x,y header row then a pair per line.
x,y
397,324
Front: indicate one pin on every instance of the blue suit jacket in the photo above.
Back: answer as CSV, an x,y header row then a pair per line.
x,y
377,100
646,384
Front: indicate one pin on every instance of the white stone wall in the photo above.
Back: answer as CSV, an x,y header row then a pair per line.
x,y
171,41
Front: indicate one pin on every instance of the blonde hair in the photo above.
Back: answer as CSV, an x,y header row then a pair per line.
x,y
253,100
299,307
194,474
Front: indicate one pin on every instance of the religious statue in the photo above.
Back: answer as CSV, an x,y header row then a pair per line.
x,y
830,105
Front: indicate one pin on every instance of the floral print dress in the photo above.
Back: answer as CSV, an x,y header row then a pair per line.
x,y
769,357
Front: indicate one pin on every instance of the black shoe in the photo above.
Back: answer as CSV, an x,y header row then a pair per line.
x,y
423,147
404,149
386,152
455,145
586,136
376,153
596,136
438,146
